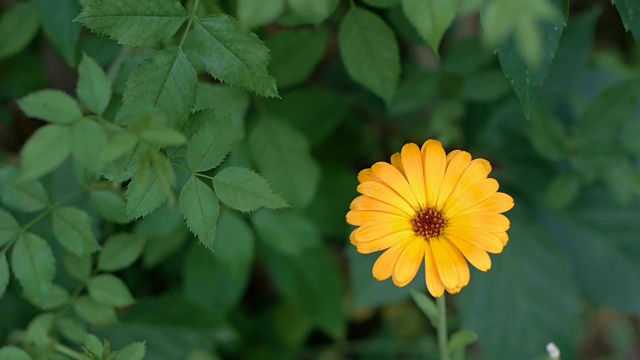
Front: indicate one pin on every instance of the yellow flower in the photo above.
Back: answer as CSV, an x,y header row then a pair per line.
x,y
432,206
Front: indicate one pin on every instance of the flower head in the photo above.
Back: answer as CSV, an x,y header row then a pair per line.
x,y
433,207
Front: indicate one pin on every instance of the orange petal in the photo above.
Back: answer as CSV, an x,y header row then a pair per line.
x,y
414,171
395,180
409,262
384,242
363,202
475,172
491,222
434,283
447,267
396,161
475,194
367,175
435,163
463,269
479,238
377,229
497,203
456,165
386,263
477,257
385,194
503,237
361,217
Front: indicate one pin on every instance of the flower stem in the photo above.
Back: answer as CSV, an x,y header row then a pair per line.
x,y
442,328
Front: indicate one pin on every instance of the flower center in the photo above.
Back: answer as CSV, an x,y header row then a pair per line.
x,y
429,223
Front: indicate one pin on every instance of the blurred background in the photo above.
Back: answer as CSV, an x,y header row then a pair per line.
x,y
286,284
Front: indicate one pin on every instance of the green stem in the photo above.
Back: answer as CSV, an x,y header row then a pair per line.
x,y
192,17
442,328
116,64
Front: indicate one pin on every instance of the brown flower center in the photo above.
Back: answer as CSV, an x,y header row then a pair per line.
x,y
429,223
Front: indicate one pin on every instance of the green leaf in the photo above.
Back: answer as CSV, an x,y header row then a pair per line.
x,y
630,14
110,205
120,144
370,52
133,351
295,54
20,16
228,267
526,276
165,232
13,353
37,332
134,23
563,190
162,136
4,274
224,101
253,14
144,193
110,290
548,136
57,20
431,18
33,265
9,227
51,105
93,344
311,282
630,133
209,146
313,11
382,3
234,55
72,228
120,251
58,297
286,231
168,81
283,158
427,306
485,86
199,206
79,267
89,140
461,339
244,190
47,148
93,88
93,312
27,196
72,330
525,73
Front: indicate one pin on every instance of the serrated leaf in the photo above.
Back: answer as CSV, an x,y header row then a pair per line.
x,y
209,146
134,23
253,13
525,74
162,136
57,20
461,339
199,206
168,81
431,18
20,16
72,229
120,251
370,52
144,193
295,54
47,148
93,87
51,105
79,267
89,140
630,14
286,231
4,274
133,351
13,353
9,227
27,196
283,158
313,11
93,344
427,306
234,55
93,312
33,265
110,205
244,190
110,290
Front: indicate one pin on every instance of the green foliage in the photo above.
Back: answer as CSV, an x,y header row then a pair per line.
x,y
57,17
200,208
120,251
257,13
51,105
244,190
20,16
94,89
431,24
72,229
33,265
